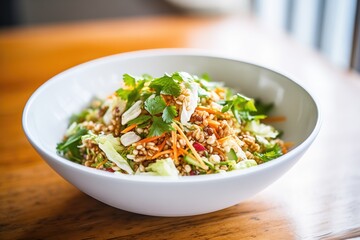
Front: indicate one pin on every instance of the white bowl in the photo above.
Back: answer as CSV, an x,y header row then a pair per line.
x,y
46,115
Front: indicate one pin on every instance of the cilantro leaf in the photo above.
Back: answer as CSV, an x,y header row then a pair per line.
x,y
271,153
145,95
129,80
166,85
159,127
247,116
263,108
229,93
155,105
242,107
135,94
183,77
79,117
244,103
72,139
139,120
227,105
206,77
147,77
169,114
70,145
123,93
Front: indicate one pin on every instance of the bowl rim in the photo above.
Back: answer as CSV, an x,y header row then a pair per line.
x,y
298,150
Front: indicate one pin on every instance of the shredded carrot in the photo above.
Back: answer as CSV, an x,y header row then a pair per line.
x,y
161,153
219,90
174,140
286,146
132,126
213,123
149,139
215,149
182,151
209,110
221,140
188,134
272,119
216,134
165,100
160,148
185,152
100,164
196,155
162,145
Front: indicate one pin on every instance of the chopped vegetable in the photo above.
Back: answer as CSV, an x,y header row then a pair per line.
x,y
174,145
198,158
131,127
69,147
231,155
245,164
159,127
155,105
161,153
169,114
163,167
109,148
199,147
242,107
270,153
192,161
129,138
166,85
132,113
149,139
260,129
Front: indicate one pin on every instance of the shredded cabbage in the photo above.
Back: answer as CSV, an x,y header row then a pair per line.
x,y
245,164
163,167
261,129
110,145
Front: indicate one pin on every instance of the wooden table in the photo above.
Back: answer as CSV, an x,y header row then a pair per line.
x,y
318,199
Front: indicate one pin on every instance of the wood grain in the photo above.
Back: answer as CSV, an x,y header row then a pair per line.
x,y
317,199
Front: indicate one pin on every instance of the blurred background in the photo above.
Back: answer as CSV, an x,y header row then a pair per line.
x,y
329,26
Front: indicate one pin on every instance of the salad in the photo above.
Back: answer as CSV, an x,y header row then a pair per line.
x,y
174,125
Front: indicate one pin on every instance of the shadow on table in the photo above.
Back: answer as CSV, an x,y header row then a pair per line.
x,y
83,217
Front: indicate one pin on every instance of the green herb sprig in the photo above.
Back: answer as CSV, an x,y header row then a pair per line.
x,y
242,107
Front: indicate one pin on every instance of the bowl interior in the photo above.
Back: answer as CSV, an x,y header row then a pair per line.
x,y
48,110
